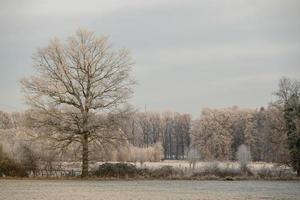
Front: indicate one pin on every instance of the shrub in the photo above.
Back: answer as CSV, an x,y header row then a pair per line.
x,y
278,171
164,172
118,170
28,158
123,154
141,155
228,172
158,152
282,171
9,167
215,170
134,154
125,170
265,172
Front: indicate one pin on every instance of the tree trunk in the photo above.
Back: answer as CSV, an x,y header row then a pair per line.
x,y
85,156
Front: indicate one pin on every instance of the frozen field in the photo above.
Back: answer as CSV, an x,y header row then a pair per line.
x,y
144,190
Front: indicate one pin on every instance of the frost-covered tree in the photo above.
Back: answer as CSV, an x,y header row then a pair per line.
x,y
193,156
150,127
272,141
243,156
289,99
176,134
292,117
158,152
76,85
5,120
213,133
220,132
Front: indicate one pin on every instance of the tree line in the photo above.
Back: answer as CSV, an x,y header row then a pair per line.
x,y
216,134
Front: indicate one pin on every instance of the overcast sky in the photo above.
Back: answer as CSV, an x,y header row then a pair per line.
x,y
188,54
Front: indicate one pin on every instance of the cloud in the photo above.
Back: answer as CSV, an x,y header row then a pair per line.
x,y
189,54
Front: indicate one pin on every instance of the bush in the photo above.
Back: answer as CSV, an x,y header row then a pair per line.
x,y
134,154
282,171
164,172
275,171
123,154
122,170
228,172
9,167
158,152
264,173
215,170
118,170
29,159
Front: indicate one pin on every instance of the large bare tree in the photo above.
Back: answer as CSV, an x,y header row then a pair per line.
x,y
77,84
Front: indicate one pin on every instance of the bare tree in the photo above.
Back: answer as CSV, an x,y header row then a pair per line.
x,y
288,96
193,156
243,156
78,84
5,121
29,158
287,88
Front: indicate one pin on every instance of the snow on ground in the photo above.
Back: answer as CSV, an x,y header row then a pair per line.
x,y
179,164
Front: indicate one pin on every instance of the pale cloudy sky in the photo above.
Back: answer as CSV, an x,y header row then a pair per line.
x,y
189,54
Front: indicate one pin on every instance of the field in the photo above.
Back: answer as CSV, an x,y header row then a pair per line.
x,y
144,190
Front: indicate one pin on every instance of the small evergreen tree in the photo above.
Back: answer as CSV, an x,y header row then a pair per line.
x,y
292,118
289,99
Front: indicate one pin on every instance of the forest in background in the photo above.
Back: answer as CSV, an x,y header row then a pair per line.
x,y
215,135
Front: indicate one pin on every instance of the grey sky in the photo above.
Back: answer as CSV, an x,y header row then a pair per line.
x,y
189,54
